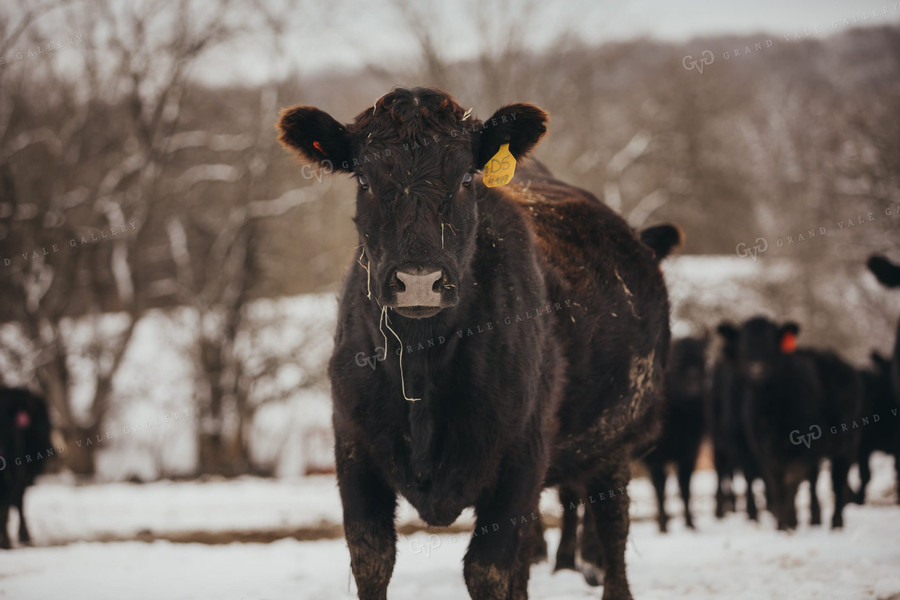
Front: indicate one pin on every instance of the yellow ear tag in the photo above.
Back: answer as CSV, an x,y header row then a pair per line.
x,y
499,170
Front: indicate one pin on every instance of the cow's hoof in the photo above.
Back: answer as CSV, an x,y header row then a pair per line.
x,y
611,592
539,553
593,574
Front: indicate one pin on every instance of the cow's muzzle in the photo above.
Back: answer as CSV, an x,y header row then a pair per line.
x,y
422,292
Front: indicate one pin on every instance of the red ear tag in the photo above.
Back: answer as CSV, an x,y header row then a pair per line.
x,y
318,147
22,419
788,342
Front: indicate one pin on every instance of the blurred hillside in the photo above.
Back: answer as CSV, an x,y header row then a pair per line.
x,y
796,136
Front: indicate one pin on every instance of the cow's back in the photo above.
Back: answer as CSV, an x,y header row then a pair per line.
x,y
615,336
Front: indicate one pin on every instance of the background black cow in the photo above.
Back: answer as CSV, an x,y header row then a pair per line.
x,y
794,400
682,424
731,450
842,411
24,442
889,275
556,321
882,433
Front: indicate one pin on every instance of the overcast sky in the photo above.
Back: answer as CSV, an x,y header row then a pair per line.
x,y
372,31
323,35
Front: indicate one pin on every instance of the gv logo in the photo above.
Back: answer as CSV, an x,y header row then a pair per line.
x,y
706,58
752,251
815,432
309,172
362,360
432,543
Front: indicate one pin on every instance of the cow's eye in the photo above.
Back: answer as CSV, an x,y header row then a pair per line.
x,y
467,180
363,181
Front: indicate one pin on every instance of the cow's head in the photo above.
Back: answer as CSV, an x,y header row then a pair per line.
x,y
762,344
730,336
686,371
416,155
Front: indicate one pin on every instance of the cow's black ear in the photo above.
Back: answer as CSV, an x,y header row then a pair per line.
x,y
790,327
727,331
663,239
316,137
878,359
519,125
886,272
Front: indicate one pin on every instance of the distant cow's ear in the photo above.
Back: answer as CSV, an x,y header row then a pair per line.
x,y
787,336
878,359
663,239
519,125
316,137
727,331
886,272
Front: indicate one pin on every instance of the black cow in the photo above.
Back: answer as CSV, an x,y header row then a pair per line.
x,y
881,431
678,441
662,240
843,394
24,444
794,400
731,450
682,424
889,275
526,328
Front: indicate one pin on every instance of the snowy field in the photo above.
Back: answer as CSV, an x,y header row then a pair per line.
x,y
267,539
731,559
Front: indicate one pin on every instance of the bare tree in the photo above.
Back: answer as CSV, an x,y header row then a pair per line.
x,y
104,132
217,258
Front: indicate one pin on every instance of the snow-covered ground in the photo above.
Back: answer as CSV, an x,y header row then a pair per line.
x,y
732,558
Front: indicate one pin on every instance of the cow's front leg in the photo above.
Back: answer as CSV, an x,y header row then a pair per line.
x,y
19,501
5,544
369,506
497,561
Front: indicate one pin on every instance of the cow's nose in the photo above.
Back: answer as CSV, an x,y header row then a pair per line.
x,y
418,288
756,369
